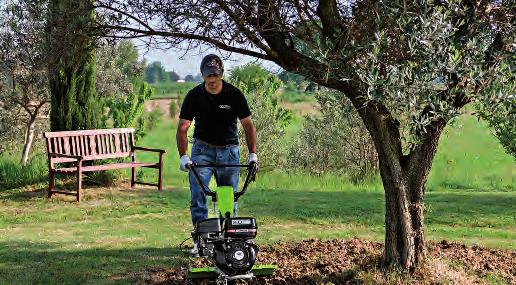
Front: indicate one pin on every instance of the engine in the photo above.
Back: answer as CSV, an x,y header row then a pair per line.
x,y
229,242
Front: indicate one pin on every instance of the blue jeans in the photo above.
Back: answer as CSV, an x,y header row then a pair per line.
x,y
203,153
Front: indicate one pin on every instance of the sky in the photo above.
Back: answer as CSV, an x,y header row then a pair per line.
x,y
184,64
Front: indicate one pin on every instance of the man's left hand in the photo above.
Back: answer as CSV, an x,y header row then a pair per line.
x,y
252,158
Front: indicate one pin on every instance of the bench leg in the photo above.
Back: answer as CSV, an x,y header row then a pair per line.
x,y
79,185
133,177
160,173
51,182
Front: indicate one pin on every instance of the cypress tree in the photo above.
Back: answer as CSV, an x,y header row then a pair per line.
x,y
72,68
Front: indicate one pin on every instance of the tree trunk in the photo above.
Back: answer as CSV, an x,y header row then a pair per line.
x,y
404,178
29,137
404,239
400,248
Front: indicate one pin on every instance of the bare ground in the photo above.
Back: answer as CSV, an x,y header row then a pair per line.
x,y
300,108
357,261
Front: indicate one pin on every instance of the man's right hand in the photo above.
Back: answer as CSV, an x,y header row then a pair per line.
x,y
185,162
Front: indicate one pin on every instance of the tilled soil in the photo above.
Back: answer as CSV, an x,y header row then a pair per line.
x,y
358,261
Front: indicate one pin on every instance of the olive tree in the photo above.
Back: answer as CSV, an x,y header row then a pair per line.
x,y
408,68
24,92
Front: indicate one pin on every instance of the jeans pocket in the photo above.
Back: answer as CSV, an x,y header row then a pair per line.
x,y
234,154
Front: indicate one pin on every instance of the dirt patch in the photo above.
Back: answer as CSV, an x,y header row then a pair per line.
x,y
480,260
301,108
357,261
163,104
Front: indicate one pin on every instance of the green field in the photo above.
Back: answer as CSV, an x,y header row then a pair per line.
x,y
116,234
470,157
172,89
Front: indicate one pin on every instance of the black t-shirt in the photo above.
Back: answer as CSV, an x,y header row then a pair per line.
x,y
215,115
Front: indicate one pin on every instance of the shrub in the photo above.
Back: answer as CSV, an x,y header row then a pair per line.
x,y
126,110
172,109
153,118
335,141
260,88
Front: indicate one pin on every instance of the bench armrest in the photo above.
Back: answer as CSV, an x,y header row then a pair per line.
x,y
53,154
149,149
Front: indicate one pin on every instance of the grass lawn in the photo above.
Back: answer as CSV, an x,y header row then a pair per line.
x,y
115,235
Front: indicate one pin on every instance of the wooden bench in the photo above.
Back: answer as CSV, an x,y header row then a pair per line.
x,y
76,147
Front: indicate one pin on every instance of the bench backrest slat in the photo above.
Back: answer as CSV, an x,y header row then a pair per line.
x,y
91,144
100,139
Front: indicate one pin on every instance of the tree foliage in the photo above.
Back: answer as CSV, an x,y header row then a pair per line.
x,y
72,66
501,118
120,82
23,76
189,78
155,72
173,76
119,70
127,111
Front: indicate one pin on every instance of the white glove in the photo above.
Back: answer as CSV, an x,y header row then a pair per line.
x,y
252,158
185,161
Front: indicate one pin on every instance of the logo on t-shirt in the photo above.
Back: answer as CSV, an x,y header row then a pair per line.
x,y
227,107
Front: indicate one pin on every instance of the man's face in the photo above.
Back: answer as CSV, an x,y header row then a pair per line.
x,y
213,80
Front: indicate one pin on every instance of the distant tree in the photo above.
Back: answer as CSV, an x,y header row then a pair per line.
x,y
127,61
24,92
72,66
173,76
189,78
155,72
198,78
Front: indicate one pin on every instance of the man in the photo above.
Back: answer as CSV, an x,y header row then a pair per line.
x,y
216,105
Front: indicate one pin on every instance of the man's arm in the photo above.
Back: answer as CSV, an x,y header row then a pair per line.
x,y
250,133
181,136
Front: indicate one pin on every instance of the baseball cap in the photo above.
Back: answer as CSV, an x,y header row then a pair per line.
x,y
212,64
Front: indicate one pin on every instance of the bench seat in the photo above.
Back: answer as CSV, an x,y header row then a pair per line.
x,y
108,167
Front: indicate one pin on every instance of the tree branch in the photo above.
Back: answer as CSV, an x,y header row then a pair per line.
x,y
330,17
207,39
125,14
249,34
